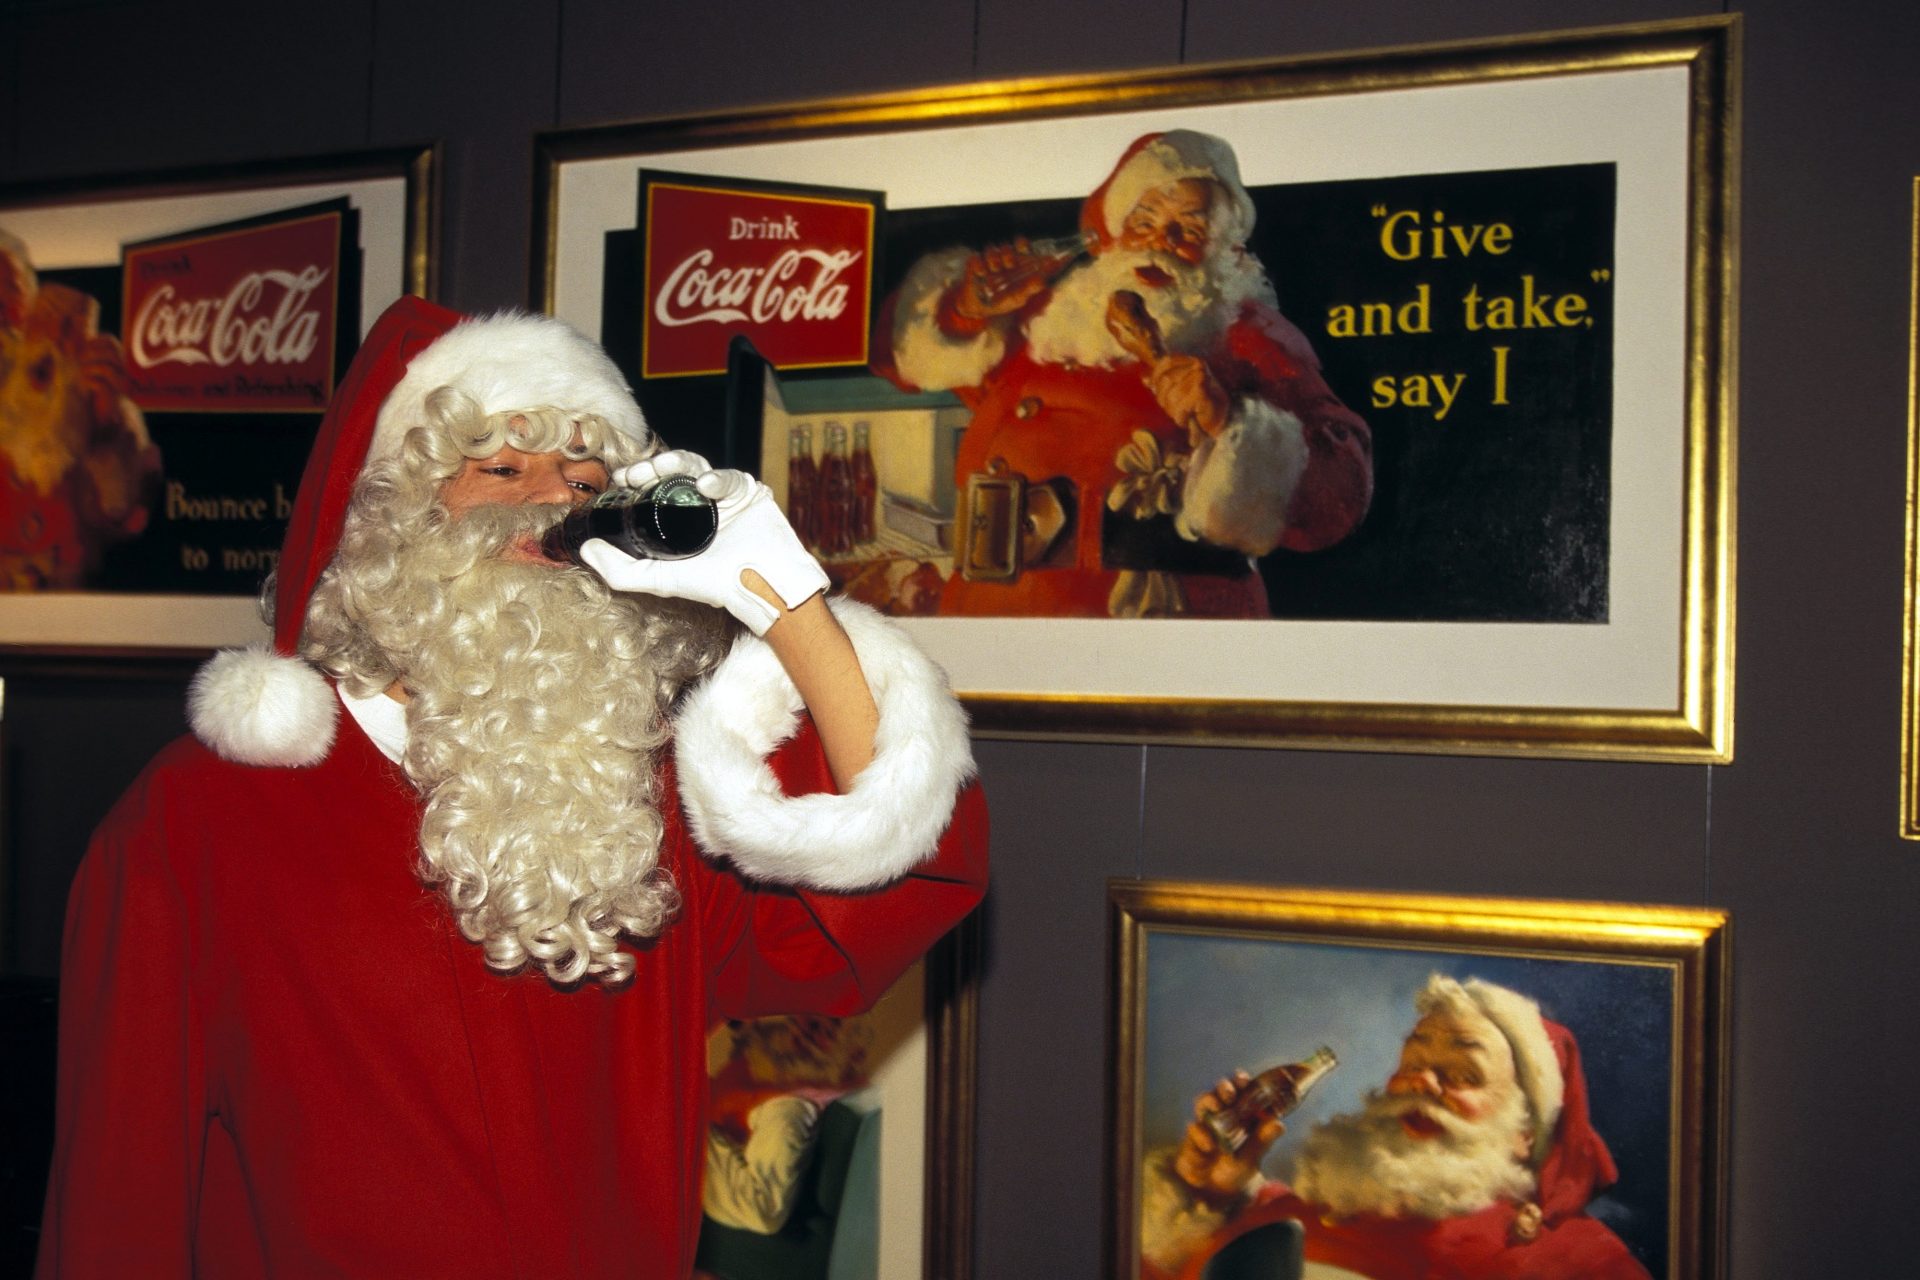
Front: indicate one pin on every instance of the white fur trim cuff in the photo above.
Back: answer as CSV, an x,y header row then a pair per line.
x,y
888,822
255,706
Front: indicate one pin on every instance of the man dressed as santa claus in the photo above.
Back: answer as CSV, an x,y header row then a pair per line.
x,y
1144,422
1477,1160
423,989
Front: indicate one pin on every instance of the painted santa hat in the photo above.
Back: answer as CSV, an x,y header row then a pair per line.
x,y
1578,1165
1570,1159
1156,160
264,705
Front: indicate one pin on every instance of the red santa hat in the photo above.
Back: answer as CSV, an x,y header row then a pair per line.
x,y
1578,1165
1156,160
1570,1158
264,705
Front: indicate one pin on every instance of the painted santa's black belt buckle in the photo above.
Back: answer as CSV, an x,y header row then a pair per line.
x,y
1151,543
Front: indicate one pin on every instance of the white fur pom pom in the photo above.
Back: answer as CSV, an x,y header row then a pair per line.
x,y
255,706
888,822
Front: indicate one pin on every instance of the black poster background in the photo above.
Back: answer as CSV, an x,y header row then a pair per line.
x,y
1490,513
1494,512
213,455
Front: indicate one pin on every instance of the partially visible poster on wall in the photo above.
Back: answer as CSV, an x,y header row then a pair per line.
x,y
163,407
169,343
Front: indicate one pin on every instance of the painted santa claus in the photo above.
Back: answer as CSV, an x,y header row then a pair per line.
x,y
403,965
1143,422
1477,1161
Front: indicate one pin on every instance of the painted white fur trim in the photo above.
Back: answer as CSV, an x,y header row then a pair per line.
x,y
888,822
1534,1061
506,362
923,352
1239,483
255,706
1175,1224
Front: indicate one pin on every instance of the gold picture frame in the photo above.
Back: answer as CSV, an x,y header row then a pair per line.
x,y
1653,681
1910,649
1643,991
83,223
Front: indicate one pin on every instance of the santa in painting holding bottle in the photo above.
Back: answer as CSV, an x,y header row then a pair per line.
x,y
1477,1160
1145,421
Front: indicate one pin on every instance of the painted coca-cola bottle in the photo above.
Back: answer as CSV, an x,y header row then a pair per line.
x,y
803,486
1043,259
1271,1094
866,483
836,493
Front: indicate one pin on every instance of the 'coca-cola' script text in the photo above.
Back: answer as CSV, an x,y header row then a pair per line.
x,y
696,291
265,318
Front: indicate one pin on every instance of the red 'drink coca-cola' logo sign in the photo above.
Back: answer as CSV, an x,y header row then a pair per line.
x,y
234,320
792,272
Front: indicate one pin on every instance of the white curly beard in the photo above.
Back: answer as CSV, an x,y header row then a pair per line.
x,y
1368,1163
538,700
1193,309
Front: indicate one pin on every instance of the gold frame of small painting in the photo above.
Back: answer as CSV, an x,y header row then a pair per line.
x,y
1208,979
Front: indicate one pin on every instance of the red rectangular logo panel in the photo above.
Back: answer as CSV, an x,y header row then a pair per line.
x,y
241,320
792,272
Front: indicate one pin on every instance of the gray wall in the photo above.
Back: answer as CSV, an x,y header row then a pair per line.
x,y
1796,838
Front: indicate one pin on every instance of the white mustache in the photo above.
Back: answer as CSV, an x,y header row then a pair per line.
x,y
1395,1105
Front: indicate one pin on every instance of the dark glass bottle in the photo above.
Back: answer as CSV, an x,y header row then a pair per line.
x,y
1272,1093
667,521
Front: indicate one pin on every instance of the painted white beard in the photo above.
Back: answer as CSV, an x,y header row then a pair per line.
x,y
1192,311
539,700
1367,1163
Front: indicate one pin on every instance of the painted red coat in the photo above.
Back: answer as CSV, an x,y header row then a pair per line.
x,y
1478,1246
1051,421
279,1057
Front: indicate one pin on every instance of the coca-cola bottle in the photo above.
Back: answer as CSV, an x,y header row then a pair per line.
x,y
866,483
836,493
1269,1095
1044,259
803,486
670,520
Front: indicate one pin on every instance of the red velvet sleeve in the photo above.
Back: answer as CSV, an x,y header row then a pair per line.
x,y
783,950
131,1107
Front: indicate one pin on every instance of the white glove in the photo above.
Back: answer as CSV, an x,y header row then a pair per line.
x,y
751,534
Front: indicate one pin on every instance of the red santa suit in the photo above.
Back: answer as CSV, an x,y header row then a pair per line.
x,y
1154,524
1552,1238
245,1093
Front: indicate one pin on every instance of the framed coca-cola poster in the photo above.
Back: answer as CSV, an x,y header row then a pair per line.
x,y
1375,402
1338,1084
169,343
